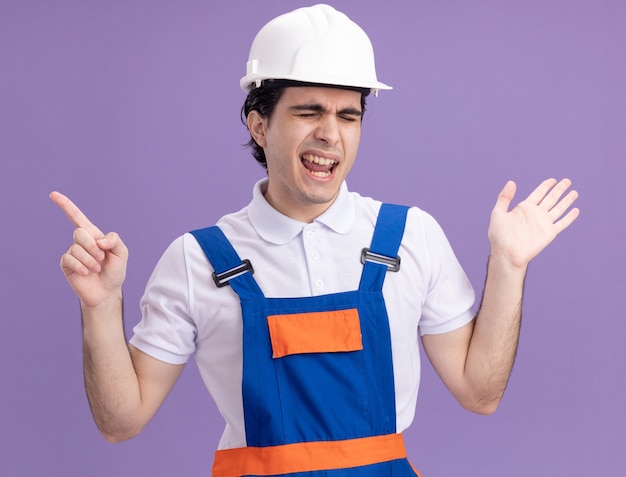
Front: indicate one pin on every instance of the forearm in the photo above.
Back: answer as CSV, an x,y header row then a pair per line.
x,y
475,361
125,387
110,380
495,337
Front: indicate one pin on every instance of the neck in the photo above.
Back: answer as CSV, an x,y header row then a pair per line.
x,y
302,213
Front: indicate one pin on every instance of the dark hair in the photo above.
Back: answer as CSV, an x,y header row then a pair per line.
x,y
264,98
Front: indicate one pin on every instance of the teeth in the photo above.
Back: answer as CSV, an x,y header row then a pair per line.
x,y
320,174
322,161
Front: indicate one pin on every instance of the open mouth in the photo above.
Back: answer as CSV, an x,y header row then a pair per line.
x,y
318,166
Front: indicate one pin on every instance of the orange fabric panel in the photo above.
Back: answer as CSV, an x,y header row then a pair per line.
x,y
308,456
319,332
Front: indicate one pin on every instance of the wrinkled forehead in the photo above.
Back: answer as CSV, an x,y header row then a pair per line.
x,y
328,98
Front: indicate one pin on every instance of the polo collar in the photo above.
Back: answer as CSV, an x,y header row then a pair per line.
x,y
276,228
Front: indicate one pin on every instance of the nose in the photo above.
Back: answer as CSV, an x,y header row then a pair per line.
x,y
328,129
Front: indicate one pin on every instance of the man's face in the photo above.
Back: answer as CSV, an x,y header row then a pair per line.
x,y
310,143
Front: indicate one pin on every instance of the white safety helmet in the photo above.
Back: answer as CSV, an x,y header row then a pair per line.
x,y
315,44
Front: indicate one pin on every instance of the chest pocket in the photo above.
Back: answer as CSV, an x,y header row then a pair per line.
x,y
317,332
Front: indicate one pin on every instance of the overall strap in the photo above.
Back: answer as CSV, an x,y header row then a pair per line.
x,y
383,252
229,268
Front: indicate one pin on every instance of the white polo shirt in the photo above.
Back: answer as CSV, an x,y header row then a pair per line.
x,y
184,313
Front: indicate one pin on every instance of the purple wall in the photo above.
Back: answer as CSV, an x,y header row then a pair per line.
x,y
131,108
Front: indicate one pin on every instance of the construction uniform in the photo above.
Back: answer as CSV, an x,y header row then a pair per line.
x,y
317,380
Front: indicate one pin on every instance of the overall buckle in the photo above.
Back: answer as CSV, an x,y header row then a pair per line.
x,y
222,279
392,263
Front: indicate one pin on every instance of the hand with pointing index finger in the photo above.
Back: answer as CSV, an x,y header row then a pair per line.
x,y
95,263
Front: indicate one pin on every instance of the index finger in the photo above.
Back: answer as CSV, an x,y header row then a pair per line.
x,y
73,213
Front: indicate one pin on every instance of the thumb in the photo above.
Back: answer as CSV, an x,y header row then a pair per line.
x,y
112,243
505,197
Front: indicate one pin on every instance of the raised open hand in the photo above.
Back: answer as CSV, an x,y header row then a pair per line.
x,y
520,234
95,263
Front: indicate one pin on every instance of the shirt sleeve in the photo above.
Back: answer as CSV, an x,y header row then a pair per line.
x,y
450,295
166,330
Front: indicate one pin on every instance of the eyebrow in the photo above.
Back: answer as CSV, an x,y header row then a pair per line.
x,y
320,109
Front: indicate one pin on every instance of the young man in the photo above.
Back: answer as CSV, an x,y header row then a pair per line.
x,y
302,317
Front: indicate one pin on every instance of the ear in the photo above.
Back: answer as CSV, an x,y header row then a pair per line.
x,y
257,125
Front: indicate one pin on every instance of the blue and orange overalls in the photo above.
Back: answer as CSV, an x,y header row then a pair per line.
x,y
318,382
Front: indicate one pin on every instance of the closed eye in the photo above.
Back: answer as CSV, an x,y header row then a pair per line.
x,y
307,110
315,110
350,118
